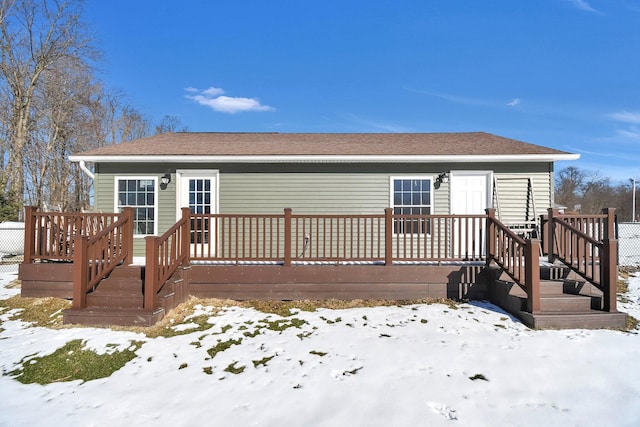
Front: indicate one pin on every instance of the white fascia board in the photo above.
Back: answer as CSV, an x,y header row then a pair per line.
x,y
326,159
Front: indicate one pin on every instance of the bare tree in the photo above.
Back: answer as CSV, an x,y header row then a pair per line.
x,y
589,193
569,186
597,194
73,113
35,35
170,124
114,120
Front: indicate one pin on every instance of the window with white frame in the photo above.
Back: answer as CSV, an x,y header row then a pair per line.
x,y
411,196
140,194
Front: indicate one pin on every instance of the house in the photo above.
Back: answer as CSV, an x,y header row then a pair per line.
x,y
287,216
429,173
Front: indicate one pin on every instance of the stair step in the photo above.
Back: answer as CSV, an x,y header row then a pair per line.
x,y
551,287
128,271
547,287
120,284
110,316
565,303
115,299
580,287
579,320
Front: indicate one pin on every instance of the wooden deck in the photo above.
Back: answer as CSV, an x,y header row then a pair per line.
x,y
289,257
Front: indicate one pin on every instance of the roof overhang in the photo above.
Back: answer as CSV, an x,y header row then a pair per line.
x,y
510,158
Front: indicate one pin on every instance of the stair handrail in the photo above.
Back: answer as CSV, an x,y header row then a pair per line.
x,y
95,256
516,256
164,254
592,259
49,235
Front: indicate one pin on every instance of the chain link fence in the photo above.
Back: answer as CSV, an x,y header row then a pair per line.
x,y
11,246
629,244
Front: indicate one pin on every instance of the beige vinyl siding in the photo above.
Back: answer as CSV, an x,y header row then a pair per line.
x,y
304,193
512,196
306,189
441,199
365,193
313,188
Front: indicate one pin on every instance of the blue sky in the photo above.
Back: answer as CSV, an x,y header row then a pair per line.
x,y
559,73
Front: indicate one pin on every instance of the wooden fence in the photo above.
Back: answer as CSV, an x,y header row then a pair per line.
x,y
49,235
95,256
164,254
519,258
379,238
586,244
96,243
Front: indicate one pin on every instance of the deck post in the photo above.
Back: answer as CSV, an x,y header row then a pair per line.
x,y
186,235
127,235
80,271
544,233
608,262
532,274
29,234
150,272
388,236
610,226
551,233
491,234
287,237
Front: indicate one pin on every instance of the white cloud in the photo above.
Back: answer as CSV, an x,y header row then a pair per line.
x,y
629,129
213,91
626,116
514,102
376,125
629,133
582,5
213,98
453,98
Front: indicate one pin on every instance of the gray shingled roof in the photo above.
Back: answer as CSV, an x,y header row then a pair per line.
x,y
321,144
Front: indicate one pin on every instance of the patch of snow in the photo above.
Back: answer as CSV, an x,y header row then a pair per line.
x,y
402,366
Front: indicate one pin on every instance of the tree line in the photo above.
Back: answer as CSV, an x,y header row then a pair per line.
x,y
53,104
589,192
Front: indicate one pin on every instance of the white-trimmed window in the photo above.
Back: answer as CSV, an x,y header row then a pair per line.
x,y
140,193
411,196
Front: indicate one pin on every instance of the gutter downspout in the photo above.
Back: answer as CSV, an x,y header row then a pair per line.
x,y
83,166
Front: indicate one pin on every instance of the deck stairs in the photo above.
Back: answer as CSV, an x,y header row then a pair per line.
x,y
118,299
566,301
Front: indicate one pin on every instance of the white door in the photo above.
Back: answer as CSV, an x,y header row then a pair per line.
x,y
198,191
469,196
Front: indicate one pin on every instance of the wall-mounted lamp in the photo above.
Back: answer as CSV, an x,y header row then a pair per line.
x,y
165,180
443,177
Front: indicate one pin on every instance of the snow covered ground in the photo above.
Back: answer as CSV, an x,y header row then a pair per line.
x,y
421,365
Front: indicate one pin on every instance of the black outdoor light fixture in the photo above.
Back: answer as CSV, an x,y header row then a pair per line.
x,y
165,179
440,179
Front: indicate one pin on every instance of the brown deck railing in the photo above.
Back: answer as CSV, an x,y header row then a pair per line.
x,y
438,237
49,235
237,237
164,254
519,258
98,242
382,238
95,256
587,245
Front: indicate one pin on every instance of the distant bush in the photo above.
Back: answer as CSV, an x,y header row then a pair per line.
x,y
9,208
